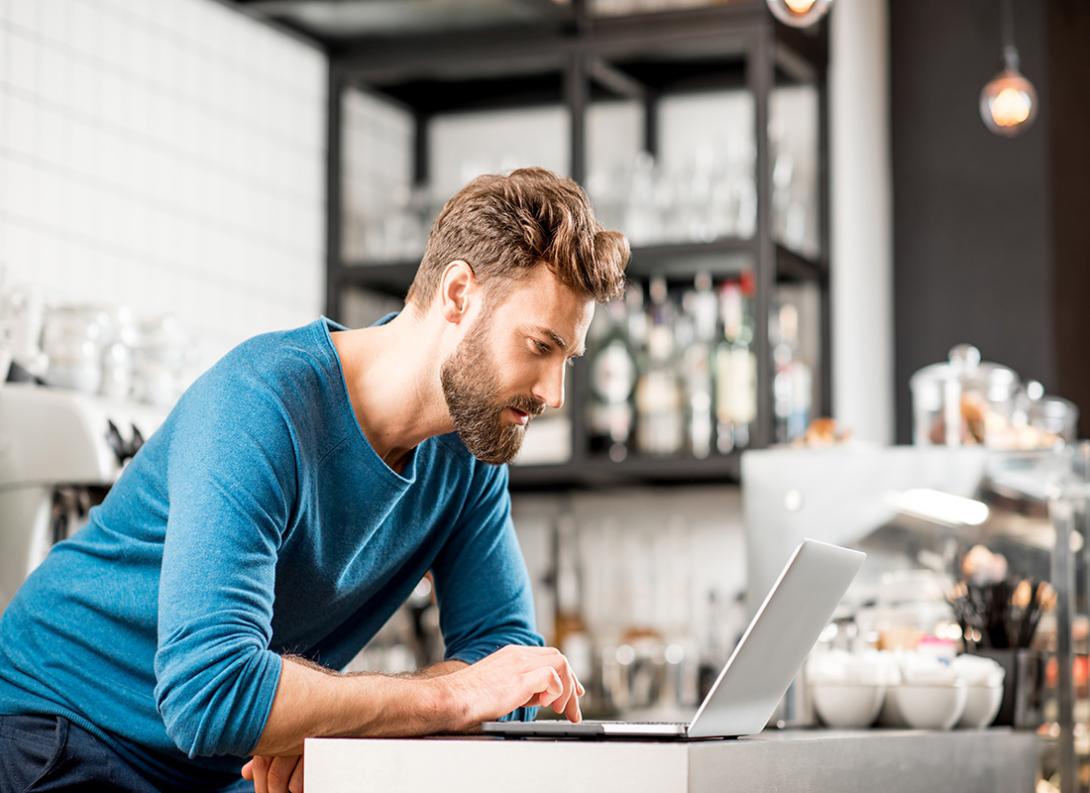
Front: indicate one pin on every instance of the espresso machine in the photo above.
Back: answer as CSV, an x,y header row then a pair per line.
x,y
60,451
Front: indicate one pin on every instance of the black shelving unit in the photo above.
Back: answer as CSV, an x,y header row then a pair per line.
x,y
719,258
577,59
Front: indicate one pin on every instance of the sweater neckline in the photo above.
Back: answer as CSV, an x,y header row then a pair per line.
x,y
408,475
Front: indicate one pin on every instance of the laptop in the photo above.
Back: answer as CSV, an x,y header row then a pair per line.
x,y
758,672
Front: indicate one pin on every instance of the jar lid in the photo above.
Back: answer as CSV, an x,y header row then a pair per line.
x,y
964,366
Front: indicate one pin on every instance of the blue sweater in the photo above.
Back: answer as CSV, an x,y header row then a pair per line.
x,y
257,521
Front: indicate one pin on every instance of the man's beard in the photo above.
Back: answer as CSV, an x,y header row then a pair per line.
x,y
470,385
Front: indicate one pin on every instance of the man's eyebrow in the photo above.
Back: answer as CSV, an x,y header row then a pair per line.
x,y
557,340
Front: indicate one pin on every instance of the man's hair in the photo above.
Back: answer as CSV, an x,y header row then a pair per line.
x,y
504,226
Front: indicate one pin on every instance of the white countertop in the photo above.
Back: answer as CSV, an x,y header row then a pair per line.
x,y
793,761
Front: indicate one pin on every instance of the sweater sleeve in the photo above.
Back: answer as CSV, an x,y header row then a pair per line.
x,y
481,582
231,476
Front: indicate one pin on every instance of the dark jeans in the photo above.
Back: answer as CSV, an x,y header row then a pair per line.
x,y
41,753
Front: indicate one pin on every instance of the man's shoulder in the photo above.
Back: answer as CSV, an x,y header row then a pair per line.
x,y
279,375
276,361
282,347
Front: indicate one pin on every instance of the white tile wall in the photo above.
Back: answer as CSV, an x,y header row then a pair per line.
x,y
377,165
650,556
164,154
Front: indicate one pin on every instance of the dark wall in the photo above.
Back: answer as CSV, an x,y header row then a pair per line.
x,y
1069,144
972,229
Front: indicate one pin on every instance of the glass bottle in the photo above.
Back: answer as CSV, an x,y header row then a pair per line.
x,y
612,379
735,369
697,364
792,383
659,428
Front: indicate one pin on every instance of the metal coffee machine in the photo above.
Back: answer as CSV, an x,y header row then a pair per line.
x,y
60,451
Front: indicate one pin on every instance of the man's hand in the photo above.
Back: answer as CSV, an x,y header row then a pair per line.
x,y
275,774
316,703
510,678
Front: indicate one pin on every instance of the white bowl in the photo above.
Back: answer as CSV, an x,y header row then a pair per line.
x,y
890,715
981,706
847,705
930,706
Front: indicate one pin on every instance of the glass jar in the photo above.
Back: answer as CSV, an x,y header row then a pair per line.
x,y
963,401
72,338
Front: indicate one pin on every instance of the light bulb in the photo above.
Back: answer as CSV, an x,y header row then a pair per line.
x,y
1008,104
799,13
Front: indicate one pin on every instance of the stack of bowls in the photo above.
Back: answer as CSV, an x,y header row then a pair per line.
x,y
929,695
983,679
916,690
848,689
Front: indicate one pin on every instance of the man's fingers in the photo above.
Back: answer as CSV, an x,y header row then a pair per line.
x,y
546,682
545,675
561,702
572,706
569,707
275,774
260,771
565,674
280,773
296,784
538,700
571,710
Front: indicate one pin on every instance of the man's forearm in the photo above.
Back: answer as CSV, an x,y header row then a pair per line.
x,y
312,701
437,670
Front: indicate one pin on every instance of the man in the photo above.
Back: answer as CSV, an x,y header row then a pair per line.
x,y
288,505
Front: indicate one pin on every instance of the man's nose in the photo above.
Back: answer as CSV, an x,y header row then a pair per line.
x,y
550,389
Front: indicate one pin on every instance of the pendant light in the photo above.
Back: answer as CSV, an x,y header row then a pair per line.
x,y
799,13
1008,104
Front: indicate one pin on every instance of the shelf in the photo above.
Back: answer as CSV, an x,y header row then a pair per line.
x,y
334,23
676,261
723,257
650,71
720,35
721,469
794,267
533,77
386,278
573,59
535,84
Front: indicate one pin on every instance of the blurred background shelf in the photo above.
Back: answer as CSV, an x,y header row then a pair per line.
x,y
700,133
675,261
586,473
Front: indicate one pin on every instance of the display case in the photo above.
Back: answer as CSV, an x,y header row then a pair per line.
x,y
701,133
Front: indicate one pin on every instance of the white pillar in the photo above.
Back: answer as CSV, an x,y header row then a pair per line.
x,y
861,219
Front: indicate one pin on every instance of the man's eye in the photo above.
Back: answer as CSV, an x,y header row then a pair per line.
x,y
543,348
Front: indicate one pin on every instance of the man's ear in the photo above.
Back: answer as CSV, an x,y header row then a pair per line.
x,y
455,289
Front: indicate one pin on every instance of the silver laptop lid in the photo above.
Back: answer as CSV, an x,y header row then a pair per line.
x,y
777,641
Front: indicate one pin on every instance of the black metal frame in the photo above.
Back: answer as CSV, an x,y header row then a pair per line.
x,y
463,72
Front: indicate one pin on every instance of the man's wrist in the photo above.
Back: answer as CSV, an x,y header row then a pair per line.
x,y
447,704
